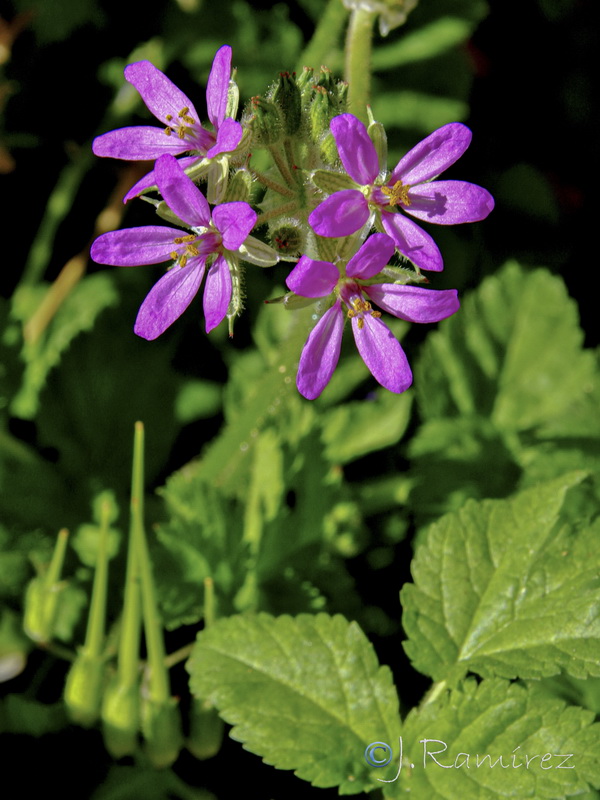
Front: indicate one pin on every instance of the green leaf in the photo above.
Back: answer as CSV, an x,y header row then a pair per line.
x,y
501,589
505,382
456,742
77,313
512,353
427,41
305,693
355,429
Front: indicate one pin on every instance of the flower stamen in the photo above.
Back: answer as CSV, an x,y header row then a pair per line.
x,y
398,194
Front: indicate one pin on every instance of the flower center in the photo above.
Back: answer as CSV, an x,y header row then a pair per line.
x,y
398,194
181,257
358,308
182,129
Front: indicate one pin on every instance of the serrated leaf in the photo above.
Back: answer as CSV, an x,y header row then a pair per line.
x,y
513,353
548,750
305,693
501,589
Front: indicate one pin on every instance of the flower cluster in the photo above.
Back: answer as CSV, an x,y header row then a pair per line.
x,y
328,203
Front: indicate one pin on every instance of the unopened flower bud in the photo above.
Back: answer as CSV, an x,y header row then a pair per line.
x,y
287,97
305,82
322,111
265,122
326,79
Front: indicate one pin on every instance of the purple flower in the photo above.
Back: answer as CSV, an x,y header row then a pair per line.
x,y
213,240
352,295
409,188
182,131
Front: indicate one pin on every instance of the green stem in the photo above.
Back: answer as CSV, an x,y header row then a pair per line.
x,y
288,208
129,640
209,602
358,62
281,165
159,676
271,184
94,637
324,40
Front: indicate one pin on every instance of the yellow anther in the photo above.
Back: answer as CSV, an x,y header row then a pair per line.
x,y
181,131
183,261
183,111
361,323
398,193
168,131
174,255
183,239
169,117
188,119
192,250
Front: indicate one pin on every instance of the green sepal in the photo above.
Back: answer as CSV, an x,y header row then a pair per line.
x,y
161,729
292,301
239,187
121,717
206,730
378,136
83,689
330,182
257,252
265,122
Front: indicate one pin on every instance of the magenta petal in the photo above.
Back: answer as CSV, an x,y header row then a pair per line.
x,y
413,242
321,353
229,136
181,195
141,143
433,155
217,293
356,149
382,353
311,278
218,85
149,180
414,303
340,214
372,257
160,95
449,202
168,299
234,221
133,247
